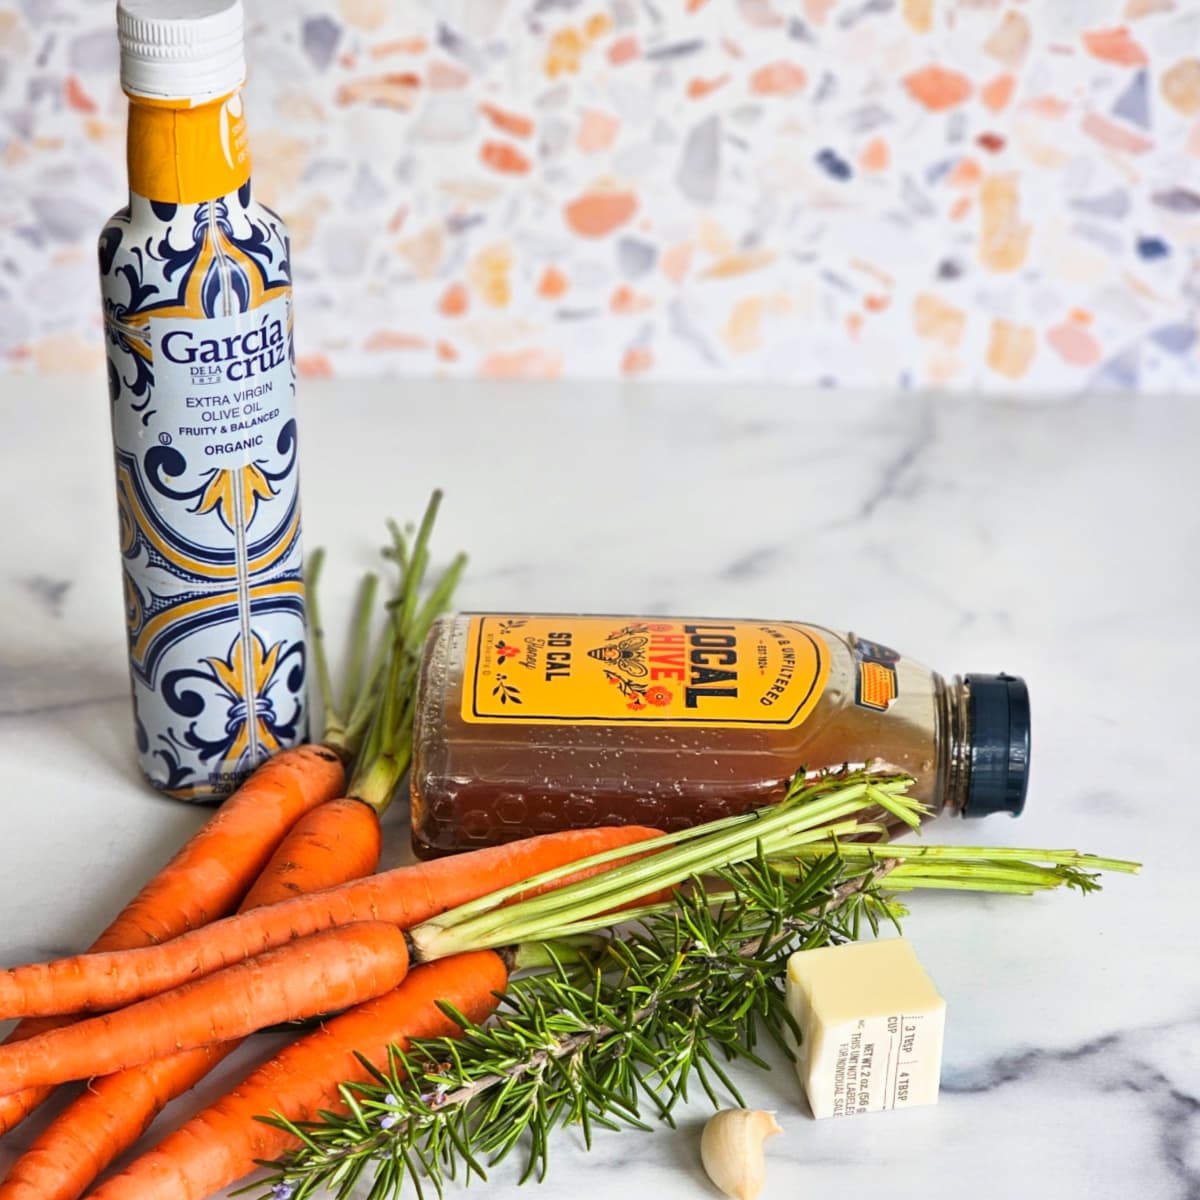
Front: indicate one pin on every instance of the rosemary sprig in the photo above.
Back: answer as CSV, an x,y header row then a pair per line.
x,y
688,988
662,1008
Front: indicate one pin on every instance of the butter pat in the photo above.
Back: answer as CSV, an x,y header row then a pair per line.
x,y
871,1024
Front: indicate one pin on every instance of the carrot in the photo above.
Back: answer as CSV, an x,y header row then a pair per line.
x,y
295,980
207,877
350,824
226,1140
338,840
101,1123
321,973
212,872
105,1120
215,869
342,837
404,897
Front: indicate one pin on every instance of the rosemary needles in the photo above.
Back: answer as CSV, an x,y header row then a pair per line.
x,y
617,1030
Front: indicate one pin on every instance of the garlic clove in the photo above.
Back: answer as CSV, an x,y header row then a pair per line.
x,y
731,1149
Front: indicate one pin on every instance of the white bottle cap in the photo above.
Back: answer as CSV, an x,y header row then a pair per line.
x,y
181,49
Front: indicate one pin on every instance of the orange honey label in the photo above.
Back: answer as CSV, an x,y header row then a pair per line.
x,y
539,670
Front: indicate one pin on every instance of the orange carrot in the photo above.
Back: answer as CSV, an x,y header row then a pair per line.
x,y
101,1123
321,973
342,837
226,1141
212,871
207,878
105,1120
403,897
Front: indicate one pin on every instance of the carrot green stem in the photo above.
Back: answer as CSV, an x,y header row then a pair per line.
x,y
809,822
678,855
355,691
333,724
540,956
909,816
439,599
933,882
662,862
908,851
386,724
344,722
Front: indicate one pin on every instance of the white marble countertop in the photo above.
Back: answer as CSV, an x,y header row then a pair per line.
x,y
1057,541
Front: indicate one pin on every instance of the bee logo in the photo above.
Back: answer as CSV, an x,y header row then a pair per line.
x,y
626,655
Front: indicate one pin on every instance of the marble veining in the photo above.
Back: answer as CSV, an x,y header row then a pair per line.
x,y
1115,1064
1058,541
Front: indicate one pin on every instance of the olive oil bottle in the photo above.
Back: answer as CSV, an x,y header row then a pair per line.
x,y
196,286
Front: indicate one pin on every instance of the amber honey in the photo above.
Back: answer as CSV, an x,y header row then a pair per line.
x,y
528,723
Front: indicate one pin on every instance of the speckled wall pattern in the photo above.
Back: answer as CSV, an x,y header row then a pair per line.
x,y
974,194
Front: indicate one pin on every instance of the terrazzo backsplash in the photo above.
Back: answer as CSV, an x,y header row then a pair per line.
x,y
979,194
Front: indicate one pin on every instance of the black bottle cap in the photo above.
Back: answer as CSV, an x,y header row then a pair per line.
x,y
999,717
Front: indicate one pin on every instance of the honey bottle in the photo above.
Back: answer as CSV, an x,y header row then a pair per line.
x,y
530,723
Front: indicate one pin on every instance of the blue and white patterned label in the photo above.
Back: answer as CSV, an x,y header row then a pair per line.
x,y
197,304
